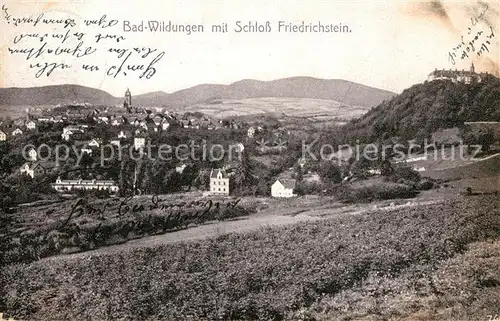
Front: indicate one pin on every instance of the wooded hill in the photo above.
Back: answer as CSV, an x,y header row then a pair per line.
x,y
424,108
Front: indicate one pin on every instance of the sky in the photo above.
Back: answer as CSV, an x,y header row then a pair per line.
x,y
392,44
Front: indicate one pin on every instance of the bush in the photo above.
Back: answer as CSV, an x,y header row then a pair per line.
x,y
426,184
405,173
82,234
379,191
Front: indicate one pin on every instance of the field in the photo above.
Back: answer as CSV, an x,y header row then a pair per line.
x,y
13,111
316,110
433,262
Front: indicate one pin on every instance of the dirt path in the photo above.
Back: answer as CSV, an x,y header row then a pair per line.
x,y
266,218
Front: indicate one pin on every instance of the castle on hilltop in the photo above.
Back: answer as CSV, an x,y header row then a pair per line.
x,y
464,76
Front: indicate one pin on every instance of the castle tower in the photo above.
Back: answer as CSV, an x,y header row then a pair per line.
x,y
128,99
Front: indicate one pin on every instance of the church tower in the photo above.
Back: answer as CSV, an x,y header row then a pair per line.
x,y
127,103
472,69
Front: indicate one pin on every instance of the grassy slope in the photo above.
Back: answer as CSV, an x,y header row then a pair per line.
x,y
340,268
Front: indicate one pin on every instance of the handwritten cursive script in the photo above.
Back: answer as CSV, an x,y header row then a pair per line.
x,y
54,44
478,40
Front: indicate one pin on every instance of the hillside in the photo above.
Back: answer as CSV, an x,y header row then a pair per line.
x,y
53,95
424,108
345,92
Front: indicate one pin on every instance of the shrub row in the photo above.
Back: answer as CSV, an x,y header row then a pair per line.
x,y
79,235
379,191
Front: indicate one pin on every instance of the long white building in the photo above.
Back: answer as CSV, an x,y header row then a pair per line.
x,y
81,184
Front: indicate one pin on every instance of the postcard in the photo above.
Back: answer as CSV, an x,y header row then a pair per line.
x,y
249,160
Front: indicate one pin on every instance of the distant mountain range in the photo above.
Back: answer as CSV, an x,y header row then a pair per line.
x,y
345,92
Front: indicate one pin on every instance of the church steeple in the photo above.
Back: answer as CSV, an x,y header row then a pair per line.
x,y
127,103
472,69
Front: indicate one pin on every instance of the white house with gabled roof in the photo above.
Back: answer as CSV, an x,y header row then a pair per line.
x,y
32,154
283,188
30,125
219,182
17,132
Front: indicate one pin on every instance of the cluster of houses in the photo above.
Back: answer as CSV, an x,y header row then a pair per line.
x,y
34,167
17,127
219,179
131,123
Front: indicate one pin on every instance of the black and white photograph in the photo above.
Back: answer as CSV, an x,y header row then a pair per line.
x,y
249,160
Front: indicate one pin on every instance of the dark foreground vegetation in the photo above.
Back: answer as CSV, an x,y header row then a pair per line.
x,y
88,223
380,265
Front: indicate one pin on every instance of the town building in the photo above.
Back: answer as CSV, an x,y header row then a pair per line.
x,y
19,122
102,119
251,132
17,132
157,120
139,143
94,143
33,169
80,184
71,130
283,188
118,121
44,119
123,134
165,124
86,150
219,182
180,169
32,154
31,125
3,136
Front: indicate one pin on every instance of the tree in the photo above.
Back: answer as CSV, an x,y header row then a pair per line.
x,y
486,138
299,175
173,181
146,174
359,167
244,175
329,172
202,180
405,173
189,174
125,177
86,160
386,168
